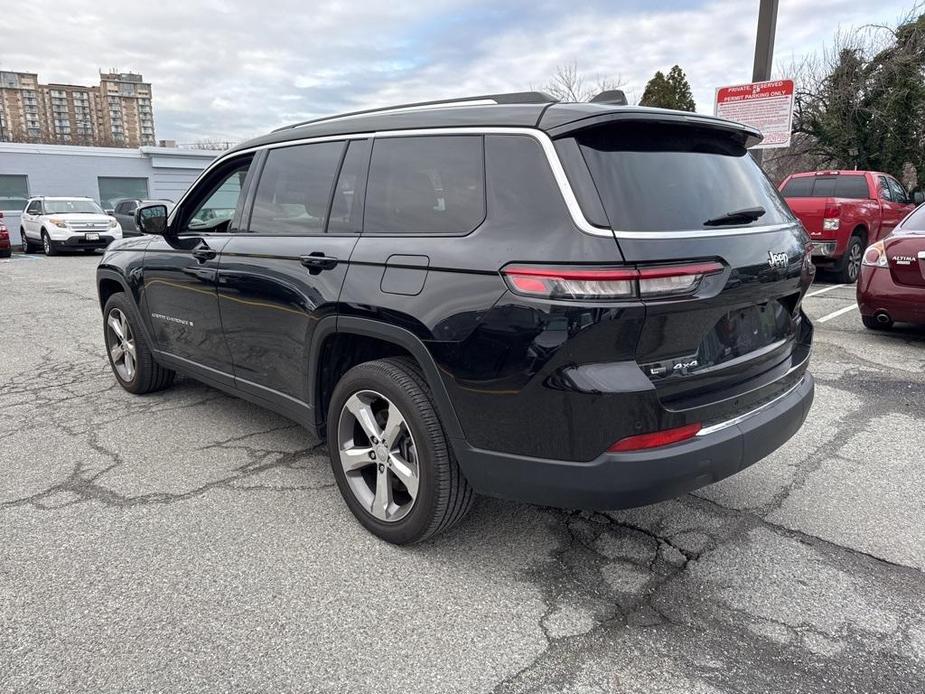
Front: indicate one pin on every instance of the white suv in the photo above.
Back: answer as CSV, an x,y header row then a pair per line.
x,y
55,224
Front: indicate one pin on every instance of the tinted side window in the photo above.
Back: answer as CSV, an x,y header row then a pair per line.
x,y
426,185
801,187
899,193
35,207
211,205
347,206
851,186
884,187
295,189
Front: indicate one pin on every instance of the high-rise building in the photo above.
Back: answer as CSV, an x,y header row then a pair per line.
x,y
117,113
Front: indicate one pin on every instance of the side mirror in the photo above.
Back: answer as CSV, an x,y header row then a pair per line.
x,y
152,219
109,211
918,197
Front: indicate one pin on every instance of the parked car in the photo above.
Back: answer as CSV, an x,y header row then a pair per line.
x,y
56,224
579,305
844,211
124,212
5,249
892,283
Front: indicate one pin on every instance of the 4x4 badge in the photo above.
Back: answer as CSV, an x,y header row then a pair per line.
x,y
777,260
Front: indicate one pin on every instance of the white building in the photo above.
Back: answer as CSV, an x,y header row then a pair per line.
x,y
101,173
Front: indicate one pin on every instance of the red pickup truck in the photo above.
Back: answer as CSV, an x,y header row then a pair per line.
x,y
844,212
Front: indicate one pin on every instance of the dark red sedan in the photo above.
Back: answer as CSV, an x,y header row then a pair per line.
x,y
891,286
5,249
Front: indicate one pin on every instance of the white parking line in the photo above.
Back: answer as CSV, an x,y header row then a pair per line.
x,y
836,314
823,291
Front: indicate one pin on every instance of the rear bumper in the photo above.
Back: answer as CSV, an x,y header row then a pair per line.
x,y
624,480
877,292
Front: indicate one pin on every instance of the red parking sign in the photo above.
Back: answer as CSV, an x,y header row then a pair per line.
x,y
767,106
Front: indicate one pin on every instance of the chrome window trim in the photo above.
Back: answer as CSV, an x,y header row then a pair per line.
x,y
565,188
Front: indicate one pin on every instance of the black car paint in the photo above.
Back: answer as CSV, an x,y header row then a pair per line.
x,y
515,379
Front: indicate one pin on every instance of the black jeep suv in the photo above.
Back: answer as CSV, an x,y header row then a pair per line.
x,y
579,305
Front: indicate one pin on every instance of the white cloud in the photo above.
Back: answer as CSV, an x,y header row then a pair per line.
x,y
234,69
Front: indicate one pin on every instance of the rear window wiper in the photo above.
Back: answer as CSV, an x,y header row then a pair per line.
x,y
745,215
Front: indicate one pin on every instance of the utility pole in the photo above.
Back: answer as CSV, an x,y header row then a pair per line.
x,y
764,49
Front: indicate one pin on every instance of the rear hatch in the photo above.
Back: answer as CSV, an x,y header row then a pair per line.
x,y
821,196
687,193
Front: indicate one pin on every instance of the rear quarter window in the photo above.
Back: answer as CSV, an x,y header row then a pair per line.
x,y
426,185
675,178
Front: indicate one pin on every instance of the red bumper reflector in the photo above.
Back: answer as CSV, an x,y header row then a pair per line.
x,y
655,439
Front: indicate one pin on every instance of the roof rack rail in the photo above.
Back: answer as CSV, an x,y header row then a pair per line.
x,y
510,98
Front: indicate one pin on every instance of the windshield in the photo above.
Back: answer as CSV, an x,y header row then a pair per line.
x,y
656,177
71,207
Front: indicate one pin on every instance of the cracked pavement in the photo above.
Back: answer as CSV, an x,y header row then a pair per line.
x,y
188,541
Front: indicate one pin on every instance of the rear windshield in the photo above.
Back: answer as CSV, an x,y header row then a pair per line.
x,y
676,178
841,186
916,220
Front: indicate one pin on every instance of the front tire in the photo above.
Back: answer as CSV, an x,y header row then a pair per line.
x,y
390,456
129,354
47,244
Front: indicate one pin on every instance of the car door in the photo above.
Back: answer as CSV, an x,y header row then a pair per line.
x,y
284,271
30,219
180,271
892,211
901,198
125,215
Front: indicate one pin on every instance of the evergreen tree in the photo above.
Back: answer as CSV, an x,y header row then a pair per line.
x,y
673,91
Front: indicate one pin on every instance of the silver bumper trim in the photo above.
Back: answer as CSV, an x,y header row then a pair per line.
x,y
713,428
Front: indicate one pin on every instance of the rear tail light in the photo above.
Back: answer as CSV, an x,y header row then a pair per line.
x,y
551,282
831,217
655,439
875,255
571,283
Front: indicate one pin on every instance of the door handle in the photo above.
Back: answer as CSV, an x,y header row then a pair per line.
x,y
317,262
204,254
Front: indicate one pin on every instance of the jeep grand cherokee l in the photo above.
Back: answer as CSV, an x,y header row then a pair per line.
x,y
579,305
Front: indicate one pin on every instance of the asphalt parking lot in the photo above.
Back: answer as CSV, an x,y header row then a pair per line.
x,y
188,541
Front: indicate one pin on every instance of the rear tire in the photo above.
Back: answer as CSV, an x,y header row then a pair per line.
x,y
871,323
130,356
850,266
27,246
441,496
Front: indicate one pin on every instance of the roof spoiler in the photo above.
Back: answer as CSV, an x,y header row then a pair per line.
x,y
483,100
615,97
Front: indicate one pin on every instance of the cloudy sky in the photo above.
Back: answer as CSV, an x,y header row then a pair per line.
x,y
230,70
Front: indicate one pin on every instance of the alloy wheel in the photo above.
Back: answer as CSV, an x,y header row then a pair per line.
x,y
378,455
854,261
121,343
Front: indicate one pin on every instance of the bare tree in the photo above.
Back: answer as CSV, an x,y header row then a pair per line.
x,y
568,84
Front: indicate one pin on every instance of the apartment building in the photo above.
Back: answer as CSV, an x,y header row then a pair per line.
x,y
116,113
